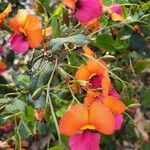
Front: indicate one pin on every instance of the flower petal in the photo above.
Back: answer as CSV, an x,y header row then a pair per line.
x,y
101,117
33,31
91,97
74,119
114,93
5,13
18,43
106,84
88,10
96,67
116,8
19,20
69,3
85,141
88,51
82,73
118,121
114,104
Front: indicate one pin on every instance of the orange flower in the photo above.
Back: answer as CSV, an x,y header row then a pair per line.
x,y
29,25
93,25
5,13
114,104
81,117
115,12
95,74
3,66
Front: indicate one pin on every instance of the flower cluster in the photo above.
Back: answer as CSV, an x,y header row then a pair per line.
x,y
101,111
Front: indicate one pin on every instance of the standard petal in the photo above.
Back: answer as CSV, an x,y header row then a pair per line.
x,y
18,43
19,20
82,73
33,31
88,10
96,66
114,104
74,119
85,141
101,117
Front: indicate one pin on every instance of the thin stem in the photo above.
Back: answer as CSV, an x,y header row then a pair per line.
x,y
73,96
49,101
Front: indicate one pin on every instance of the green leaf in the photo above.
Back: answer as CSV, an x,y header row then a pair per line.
x,y
140,65
15,104
79,40
145,97
138,43
106,42
58,147
24,131
145,146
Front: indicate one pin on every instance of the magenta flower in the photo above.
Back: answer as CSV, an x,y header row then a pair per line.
x,y
18,43
85,141
118,121
116,8
87,10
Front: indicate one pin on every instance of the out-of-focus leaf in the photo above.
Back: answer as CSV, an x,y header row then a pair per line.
x,y
55,26
58,147
145,146
78,40
145,97
140,65
138,44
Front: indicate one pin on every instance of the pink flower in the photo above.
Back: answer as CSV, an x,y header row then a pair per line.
x,y
87,10
118,121
116,8
18,43
85,141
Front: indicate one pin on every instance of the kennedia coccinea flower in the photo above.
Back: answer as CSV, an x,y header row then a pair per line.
x,y
5,13
115,12
81,117
95,74
27,32
116,105
85,10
